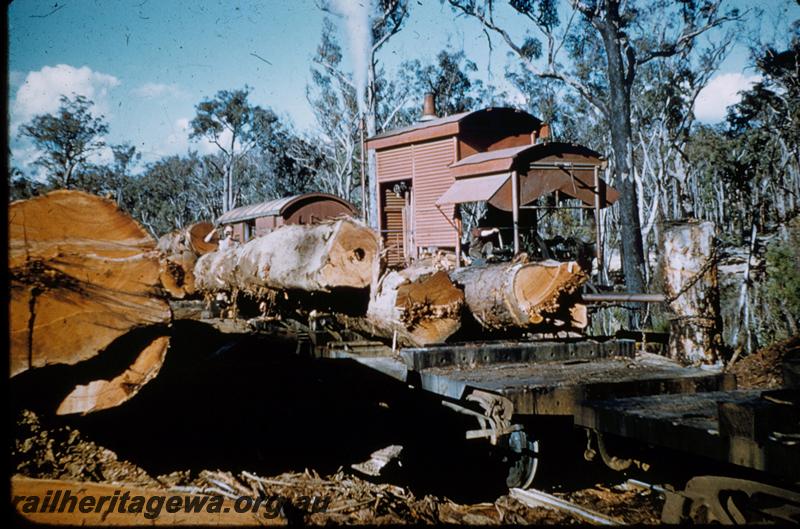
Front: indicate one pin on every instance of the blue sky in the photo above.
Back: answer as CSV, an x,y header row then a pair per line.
x,y
147,63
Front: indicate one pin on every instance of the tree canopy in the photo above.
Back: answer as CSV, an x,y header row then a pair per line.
x,y
66,139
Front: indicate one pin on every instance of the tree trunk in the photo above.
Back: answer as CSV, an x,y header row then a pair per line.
x,y
372,159
419,306
316,258
691,278
179,252
517,295
619,117
83,274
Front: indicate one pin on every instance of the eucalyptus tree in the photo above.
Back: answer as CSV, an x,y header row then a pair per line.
x,y
66,139
235,126
371,25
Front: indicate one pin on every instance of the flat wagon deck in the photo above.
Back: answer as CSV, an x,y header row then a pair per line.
x,y
606,387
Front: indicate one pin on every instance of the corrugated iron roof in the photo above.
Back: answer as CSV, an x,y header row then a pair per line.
x,y
423,131
272,207
423,125
489,162
477,186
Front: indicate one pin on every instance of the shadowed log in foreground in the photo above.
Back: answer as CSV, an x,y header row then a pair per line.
x,y
83,274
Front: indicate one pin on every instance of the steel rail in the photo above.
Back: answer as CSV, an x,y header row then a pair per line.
x,y
537,498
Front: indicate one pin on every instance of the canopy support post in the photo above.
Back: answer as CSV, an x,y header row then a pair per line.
x,y
515,208
459,231
598,228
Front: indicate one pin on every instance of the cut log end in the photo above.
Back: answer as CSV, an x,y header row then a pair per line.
x,y
83,273
418,306
176,273
352,252
197,238
430,308
540,287
179,252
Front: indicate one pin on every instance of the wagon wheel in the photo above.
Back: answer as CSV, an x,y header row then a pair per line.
x,y
516,450
522,458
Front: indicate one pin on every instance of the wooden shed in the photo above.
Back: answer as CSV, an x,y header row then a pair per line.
x,y
258,219
498,155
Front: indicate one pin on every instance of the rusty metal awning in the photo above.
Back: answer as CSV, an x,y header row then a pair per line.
x,y
475,189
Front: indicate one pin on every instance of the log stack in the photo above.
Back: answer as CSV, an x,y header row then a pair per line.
x,y
416,306
83,275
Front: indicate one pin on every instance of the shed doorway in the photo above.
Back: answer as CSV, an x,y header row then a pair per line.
x,y
397,222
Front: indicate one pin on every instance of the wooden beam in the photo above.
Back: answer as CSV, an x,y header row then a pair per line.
x,y
515,208
597,228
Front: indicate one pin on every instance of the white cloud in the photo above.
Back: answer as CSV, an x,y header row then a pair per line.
x,y
205,145
177,141
156,90
41,90
720,93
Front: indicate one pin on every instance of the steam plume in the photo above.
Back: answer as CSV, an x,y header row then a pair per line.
x,y
357,15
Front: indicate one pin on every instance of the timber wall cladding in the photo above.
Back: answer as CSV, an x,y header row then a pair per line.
x,y
394,164
431,179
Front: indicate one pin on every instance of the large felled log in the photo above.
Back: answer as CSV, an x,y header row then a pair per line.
x,y
311,258
214,272
83,274
179,252
418,305
516,295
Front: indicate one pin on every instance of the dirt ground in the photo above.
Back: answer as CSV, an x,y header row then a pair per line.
x,y
64,453
763,369
629,504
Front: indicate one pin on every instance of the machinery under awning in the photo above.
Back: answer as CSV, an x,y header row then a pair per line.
x,y
474,189
542,169
513,178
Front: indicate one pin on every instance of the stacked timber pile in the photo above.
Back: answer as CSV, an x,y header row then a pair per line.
x,y
83,276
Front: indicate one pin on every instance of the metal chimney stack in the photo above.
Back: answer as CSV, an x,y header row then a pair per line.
x,y
428,108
